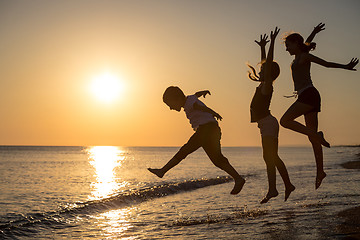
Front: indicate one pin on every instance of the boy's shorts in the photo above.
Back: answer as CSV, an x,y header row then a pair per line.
x,y
206,136
269,126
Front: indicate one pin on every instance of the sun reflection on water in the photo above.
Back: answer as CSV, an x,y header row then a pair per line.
x,y
105,160
115,222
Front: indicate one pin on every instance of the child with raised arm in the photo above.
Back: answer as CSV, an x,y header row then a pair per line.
x,y
268,124
308,100
207,133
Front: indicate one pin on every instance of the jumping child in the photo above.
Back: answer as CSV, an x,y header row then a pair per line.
x,y
207,133
268,124
308,101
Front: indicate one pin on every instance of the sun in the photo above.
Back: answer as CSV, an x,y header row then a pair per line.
x,y
106,87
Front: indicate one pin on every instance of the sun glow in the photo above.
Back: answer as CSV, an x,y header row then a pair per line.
x,y
107,87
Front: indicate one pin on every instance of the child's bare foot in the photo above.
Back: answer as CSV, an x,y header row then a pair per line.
x,y
319,178
238,186
157,172
322,140
288,190
269,195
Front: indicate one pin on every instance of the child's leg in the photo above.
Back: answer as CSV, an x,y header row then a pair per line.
x,y
223,163
295,111
212,148
269,153
160,172
311,120
273,146
191,146
289,188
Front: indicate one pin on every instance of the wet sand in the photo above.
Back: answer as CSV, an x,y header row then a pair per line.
x,y
351,165
351,223
351,217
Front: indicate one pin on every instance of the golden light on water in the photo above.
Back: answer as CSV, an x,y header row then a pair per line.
x,y
105,160
115,222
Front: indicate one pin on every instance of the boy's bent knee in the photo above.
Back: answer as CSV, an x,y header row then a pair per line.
x,y
220,162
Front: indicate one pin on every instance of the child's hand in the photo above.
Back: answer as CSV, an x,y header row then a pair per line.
x,y
217,116
263,40
205,92
319,28
274,33
352,64
316,30
202,93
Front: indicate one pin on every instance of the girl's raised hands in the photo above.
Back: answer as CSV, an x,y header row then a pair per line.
x,y
274,33
319,28
352,64
316,30
263,40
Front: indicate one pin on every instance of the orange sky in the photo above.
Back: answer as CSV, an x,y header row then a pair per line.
x,y
52,50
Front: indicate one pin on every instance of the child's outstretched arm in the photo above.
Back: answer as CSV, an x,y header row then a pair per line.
x,y
273,35
207,109
202,93
322,62
316,30
262,43
268,63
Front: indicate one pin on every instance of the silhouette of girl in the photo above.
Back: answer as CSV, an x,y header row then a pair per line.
x,y
308,101
268,124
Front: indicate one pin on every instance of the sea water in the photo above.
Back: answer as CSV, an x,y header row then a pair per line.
x,y
106,192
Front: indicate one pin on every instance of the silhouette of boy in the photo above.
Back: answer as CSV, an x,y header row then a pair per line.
x,y
207,133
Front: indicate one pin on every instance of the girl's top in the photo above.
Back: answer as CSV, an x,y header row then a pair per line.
x,y
301,75
259,107
196,117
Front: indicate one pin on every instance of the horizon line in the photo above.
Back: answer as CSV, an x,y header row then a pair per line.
x,y
151,146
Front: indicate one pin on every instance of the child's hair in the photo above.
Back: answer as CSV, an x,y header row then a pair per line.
x,y
304,47
253,75
275,71
171,93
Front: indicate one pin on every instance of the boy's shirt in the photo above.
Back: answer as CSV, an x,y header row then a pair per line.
x,y
196,117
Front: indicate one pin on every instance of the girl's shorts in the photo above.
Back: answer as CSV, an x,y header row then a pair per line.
x,y
311,96
269,126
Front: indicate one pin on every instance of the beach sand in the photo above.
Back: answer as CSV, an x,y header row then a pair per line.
x,y
351,217
351,165
351,225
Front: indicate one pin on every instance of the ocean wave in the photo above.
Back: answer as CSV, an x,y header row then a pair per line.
x,y
141,195
59,218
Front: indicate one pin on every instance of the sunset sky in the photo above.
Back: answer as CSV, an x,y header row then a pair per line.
x,y
52,52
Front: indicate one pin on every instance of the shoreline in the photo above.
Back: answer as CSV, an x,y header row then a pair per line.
x,y
350,227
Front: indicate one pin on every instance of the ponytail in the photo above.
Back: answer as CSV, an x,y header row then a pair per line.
x,y
253,75
310,46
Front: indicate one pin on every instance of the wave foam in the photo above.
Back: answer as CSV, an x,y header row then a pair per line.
x,y
117,201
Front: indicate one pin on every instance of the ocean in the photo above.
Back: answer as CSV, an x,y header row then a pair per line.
x,y
106,192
